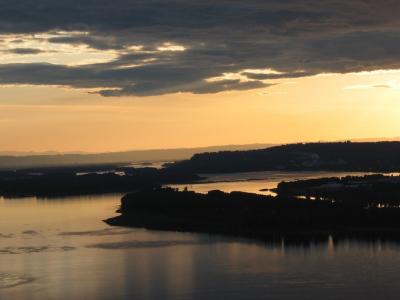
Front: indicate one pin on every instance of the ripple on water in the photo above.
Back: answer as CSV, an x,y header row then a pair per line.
x,y
100,232
11,280
6,236
148,244
34,249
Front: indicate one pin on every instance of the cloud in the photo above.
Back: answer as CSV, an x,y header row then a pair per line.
x,y
392,84
169,46
24,51
386,86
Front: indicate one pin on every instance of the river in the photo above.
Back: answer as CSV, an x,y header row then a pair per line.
x,y
60,249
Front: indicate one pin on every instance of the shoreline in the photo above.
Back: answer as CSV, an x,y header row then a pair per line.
x,y
258,216
163,223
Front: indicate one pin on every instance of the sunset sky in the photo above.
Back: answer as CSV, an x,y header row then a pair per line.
x,y
83,75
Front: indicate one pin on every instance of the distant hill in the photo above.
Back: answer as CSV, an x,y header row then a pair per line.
x,y
19,160
341,156
34,153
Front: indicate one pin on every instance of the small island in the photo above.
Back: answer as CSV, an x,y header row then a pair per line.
x,y
368,206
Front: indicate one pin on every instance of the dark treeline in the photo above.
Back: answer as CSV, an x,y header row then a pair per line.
x,y
76,169
65,181
346,156
253,215
366,191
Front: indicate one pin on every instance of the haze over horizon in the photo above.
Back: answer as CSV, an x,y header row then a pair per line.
x,y
211,147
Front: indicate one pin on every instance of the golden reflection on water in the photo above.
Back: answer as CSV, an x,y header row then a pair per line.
x,y
257,182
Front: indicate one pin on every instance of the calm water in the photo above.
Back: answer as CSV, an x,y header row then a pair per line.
x,y
60,249
254,182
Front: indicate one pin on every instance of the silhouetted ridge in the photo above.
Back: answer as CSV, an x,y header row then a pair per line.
x,y
345,156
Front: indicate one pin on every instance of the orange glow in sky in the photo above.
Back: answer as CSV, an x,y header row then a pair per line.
x,y
324,107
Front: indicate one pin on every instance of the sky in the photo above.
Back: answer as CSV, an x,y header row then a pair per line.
x,y
85,75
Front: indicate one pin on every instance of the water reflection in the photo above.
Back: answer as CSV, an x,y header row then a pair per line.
x,y
77,256
257,182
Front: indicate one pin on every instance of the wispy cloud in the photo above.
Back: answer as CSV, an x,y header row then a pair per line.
x,y
392,84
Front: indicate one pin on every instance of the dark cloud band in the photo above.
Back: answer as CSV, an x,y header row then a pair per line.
x,y
294,37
